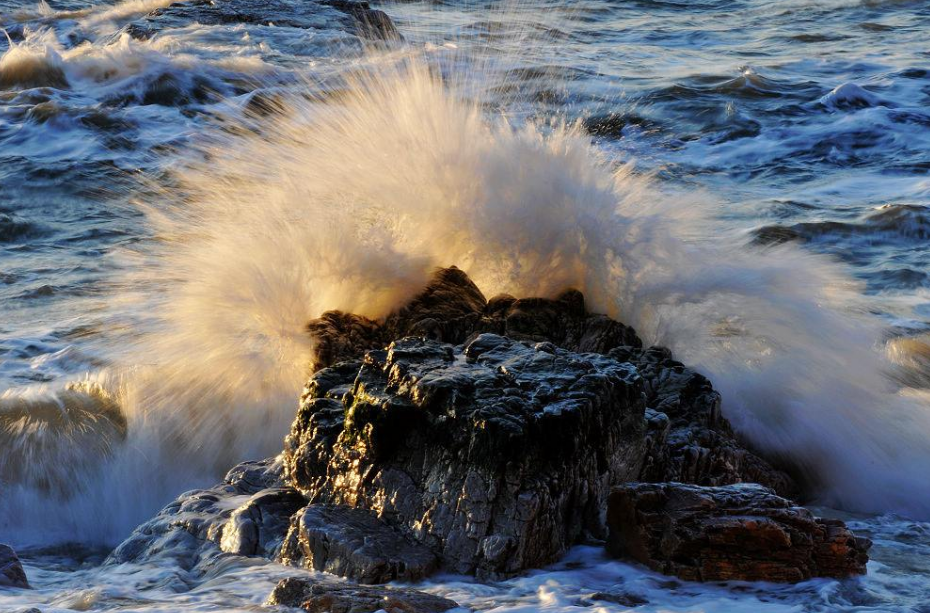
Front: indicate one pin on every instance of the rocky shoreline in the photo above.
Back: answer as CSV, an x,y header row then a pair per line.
x,y
486,437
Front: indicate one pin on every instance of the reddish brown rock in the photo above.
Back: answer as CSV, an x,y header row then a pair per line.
x,y
736,532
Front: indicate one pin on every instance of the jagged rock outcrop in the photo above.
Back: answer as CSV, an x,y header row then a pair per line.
x,y
248,514
737,532
354,543
477,436
497,455
332,597
453,310
688,439
461,434
11,569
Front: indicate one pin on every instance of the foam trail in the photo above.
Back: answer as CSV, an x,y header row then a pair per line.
x,y
351,205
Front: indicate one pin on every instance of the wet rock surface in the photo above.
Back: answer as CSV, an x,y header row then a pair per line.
x,y
354,543
497,455
248,514
618,597
739,532
11,569
453,310
332,597
688,440
369,23
485,437
493,430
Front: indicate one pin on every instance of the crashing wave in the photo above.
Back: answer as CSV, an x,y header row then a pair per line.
x,y
850,96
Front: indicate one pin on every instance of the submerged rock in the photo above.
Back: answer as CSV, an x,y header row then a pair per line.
x,y
620,597
11,569
738,532
498,455
332,597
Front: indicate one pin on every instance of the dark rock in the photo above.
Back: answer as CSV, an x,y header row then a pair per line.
x,y
265,103
737,532
164,91
331,597
354,543
375,24
453,310
496,455
106,121
776,235
11,569
612,125
170,90
688,440
253,477
249,514
139,32
624,599
342,336
448,310
369,23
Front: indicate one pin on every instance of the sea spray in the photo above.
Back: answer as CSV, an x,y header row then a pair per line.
x,y
350,200
349,204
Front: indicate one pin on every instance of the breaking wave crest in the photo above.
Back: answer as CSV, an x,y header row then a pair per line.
x,y
351,202
351,206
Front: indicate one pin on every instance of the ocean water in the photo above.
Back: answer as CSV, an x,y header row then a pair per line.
x,y
186,184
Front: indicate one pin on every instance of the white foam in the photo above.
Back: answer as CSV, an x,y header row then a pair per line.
x,y
351,206
108,18
849,94
897,583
